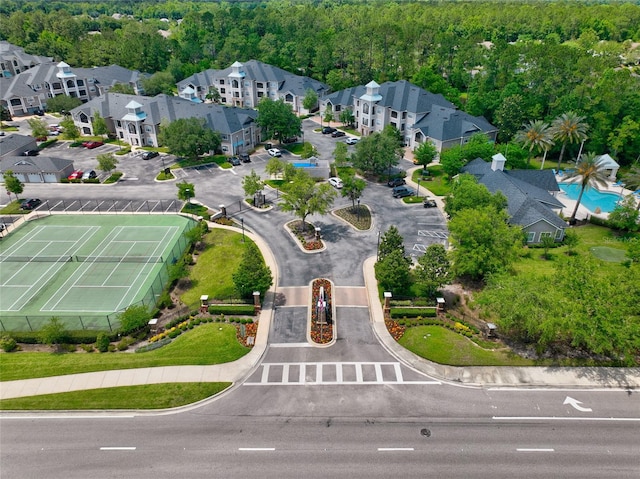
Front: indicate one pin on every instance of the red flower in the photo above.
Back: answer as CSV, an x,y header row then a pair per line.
x,y
321,333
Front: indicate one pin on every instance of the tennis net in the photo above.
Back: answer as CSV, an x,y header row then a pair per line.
x,y
81,259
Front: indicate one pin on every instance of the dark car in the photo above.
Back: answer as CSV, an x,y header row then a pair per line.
x,y
31,153
338,134
30,204
291,139
402,191
328,129
429,203
245,158
147,155
393,182
235,161
39,112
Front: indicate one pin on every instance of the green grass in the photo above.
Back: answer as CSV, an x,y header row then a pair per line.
x,y
196,209
439,185
611,255
162,176
13,208
212,273
359,219
443,346
411,200
203,345
151,396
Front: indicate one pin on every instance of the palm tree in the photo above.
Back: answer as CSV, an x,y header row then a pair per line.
x,y
632,180
589,171
536,134
568,128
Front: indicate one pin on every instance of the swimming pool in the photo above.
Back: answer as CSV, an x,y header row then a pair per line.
x,y
304,165
592,198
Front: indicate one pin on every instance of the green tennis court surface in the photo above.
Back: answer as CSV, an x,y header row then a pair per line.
x,y
86,269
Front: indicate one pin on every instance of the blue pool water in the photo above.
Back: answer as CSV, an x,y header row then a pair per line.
x,y
304,165
592,198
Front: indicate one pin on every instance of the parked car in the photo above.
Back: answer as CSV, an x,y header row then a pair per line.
x,y
76,175
89,175
335,182
92,144
147,155
235,161
328,129
429,203
338,134
31,153
2,227
402,191
39,112
41,138
291,139
393,182
245,158
274,152
30,204
351,141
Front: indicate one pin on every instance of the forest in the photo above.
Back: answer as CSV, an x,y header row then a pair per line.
x,y
513,62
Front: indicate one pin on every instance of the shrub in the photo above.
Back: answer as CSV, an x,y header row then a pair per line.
x,y
152,346
111,348
8,344
124,343
234,309
88,348
413,312
175,333
102,343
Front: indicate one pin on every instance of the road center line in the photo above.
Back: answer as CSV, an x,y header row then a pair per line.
x,y
117,448
256,449
387,449
531,449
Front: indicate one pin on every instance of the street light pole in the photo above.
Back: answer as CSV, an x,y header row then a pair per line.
x,y
358,210
378,248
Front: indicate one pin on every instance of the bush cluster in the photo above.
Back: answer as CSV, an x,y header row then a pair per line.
x,y
412,312
8,344
233,309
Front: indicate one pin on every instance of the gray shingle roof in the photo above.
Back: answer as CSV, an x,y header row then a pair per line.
x,y
33,164
442,123
13,142
527,191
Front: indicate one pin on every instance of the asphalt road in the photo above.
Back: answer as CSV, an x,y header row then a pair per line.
x,y
351,410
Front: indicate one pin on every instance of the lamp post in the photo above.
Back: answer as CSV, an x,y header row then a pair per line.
x,y
358,210
242,225
378,248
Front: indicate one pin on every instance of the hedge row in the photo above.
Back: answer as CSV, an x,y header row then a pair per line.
x,y
397,313
240,309
86,336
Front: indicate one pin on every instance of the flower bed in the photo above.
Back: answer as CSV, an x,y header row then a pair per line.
x,y
306,236
395,330
321,333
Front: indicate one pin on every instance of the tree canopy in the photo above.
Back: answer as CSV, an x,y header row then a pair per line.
x,y
303,196
277,120
189,137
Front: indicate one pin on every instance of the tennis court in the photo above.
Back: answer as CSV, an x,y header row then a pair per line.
x,y
86,269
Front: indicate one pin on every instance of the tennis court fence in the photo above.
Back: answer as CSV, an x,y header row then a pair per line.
x,y
88,320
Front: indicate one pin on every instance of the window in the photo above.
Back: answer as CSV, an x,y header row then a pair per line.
x,y
148,128
338,107
365,108
86,130
71,83
132,128
15,102
222,91
531,236
83,92
84,118
236,94
260,94
365,121
404,115
57,86
373,110
80,82
559,234
118,123
259,85
221,81
234,84
394,114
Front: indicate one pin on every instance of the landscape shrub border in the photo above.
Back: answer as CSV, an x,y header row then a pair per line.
x,y
408,312
233,309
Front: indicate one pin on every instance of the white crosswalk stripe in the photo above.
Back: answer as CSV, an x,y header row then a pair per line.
x,y
342,373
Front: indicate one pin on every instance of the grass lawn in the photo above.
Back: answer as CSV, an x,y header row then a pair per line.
x,y
439,185
13,208
151,396
203,345
212,273
359,217
443,346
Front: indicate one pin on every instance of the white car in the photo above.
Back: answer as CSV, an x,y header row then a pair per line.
x,y
274,152
335,182
351,141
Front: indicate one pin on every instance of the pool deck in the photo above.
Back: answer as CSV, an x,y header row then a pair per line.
x,y
583,212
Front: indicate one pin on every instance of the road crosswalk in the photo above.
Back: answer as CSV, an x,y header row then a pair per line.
x,y
328,373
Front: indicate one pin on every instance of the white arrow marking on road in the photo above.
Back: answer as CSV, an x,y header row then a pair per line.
x,y
576,404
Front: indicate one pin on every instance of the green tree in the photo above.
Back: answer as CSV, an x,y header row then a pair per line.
x,y
340,154
159,82
536,135
376,154
483,242
252,184
328,115
571,240
352,188
99,124
12,184
589,172
277,120
310,100
509,117
568,128
252,273
134,318
69,129
393,272
308,150
53,333
186,191
625,215
275,167
547,242
303,196
213,95
38,127
347,117
122,88
107,162
189,137
633,250
433,270
390,241
467,193
425,154
63,103
632,180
